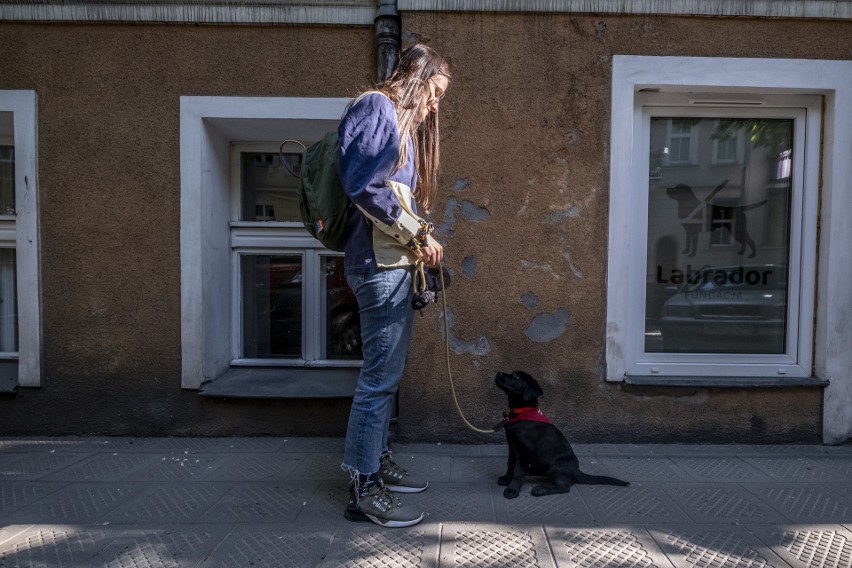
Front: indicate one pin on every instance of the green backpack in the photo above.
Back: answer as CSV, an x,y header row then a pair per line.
x,y
323,204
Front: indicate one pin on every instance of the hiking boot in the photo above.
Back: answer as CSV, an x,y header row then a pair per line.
x,y
379,505
398,480
351,512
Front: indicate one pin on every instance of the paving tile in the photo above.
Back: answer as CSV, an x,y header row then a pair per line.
x,y
488,545
54,546
154,546
638,503
453,502
77,503
9,532
562,508
440,448
624,547
841,467
103,467
270,546
321,466
325,445
17,494
797,469
805,503
719,468
714,503
179,467
714,545
261,502
483,469
325,507
256,467
809,546
432,468
640,468
362,545
597,449
32,444
37,465
208,445
172,503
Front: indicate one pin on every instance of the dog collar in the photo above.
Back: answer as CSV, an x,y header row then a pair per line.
x,y
532,413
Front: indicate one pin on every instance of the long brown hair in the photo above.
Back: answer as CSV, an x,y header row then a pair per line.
x,y
406,87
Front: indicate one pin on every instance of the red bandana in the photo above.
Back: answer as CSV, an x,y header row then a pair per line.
x,y
529,413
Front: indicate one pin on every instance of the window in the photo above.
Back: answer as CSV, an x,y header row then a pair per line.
x,y
726,287
258,293
292,304
20,312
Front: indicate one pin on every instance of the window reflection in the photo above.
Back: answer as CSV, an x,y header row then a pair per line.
x,y
343,322
718,229
272,306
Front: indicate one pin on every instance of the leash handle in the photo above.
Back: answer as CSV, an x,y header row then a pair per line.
x,y
449,371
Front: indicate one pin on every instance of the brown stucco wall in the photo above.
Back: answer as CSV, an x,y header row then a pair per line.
x,y
109,173
525,133
525,136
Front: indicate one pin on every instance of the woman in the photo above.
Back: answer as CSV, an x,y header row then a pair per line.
x,y
388,161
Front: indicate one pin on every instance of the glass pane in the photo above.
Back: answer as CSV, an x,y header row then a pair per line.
x,y
269,191
718,236
272,306
8,301
343,322
7,180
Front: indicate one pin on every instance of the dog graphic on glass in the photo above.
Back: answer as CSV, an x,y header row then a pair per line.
x,y
695,216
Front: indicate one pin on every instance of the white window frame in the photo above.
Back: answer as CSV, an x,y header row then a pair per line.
x,y
274,238
209,128
832,80
21,231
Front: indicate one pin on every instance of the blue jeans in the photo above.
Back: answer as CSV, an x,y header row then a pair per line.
x,y
384,302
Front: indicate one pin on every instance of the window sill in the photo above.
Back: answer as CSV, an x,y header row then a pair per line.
x,y
726,382
282,382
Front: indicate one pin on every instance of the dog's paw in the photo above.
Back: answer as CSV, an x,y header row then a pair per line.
x,y
510,493
539,491
504,480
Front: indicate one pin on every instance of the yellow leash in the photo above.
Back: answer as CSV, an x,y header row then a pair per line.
x,y
449,371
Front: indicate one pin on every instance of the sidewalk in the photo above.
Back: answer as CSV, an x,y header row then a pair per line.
x,y
247,502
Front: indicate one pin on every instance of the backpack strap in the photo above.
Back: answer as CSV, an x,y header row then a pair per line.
x,y
283,159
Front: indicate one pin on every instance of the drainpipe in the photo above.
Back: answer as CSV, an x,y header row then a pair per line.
x,y
388,38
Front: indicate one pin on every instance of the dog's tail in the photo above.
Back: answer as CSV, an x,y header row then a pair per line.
x,y
587,479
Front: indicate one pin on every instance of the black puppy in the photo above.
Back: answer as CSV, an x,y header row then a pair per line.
x,y
536,446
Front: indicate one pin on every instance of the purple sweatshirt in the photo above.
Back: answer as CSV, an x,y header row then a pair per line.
x,y
369,148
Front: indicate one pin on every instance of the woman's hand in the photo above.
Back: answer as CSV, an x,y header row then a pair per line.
x,y
432,251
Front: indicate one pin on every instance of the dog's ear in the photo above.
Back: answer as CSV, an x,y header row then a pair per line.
x,y
532,390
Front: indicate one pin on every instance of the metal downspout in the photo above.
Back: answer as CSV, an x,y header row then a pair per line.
x,y
388,38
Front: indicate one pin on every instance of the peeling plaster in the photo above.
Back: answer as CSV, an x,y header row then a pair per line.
x,y
469,267
575,270
555,217
479,346
526,265
447,228
461,184
530,300
473,212
547,327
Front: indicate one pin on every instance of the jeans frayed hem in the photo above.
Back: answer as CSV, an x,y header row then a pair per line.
x,y
356,476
